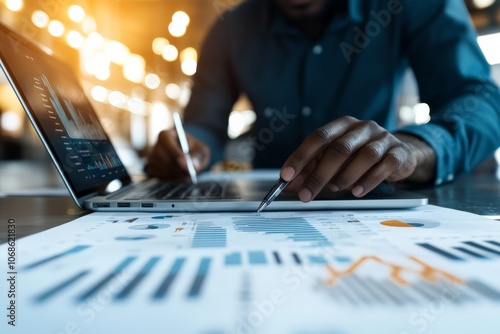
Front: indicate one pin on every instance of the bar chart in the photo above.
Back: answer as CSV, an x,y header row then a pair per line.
x,y
412,283
164,270
76,123
367,291
209,235
364,282
169,270
71,251
250,270
294,230
466,250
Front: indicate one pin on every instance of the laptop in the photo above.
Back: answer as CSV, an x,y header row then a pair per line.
x,y
96,178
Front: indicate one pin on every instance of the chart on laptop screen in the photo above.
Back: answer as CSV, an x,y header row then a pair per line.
x,y
274,272
59,109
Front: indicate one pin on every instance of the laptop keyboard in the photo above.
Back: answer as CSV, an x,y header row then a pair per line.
x,y
169,190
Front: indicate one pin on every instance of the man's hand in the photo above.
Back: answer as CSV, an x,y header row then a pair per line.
x,y
358,155
167,161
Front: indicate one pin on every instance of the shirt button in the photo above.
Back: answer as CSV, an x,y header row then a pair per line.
x,y
268,112
317,49
306,111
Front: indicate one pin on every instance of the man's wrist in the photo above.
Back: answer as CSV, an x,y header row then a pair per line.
x,y
425,170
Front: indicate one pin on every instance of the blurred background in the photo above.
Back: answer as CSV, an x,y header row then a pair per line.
x,y
135,59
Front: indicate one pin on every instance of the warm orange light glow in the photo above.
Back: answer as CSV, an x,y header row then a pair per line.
x,y
170,53
99,93
177,30
117,52
95,40
76,13
89,25
117,99
98,63
14,5
173,91
134,68
152,81
40,19
181,18
75,39
56,28
158,44
189,53
188,66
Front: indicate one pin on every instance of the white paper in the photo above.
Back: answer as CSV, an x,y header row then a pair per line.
x,y
422,270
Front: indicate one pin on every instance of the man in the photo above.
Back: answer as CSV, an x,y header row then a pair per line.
x,y
323,78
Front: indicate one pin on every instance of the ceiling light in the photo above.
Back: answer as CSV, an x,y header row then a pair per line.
x,y
175,29
40,19
181,18
56,28
152,81
75,39
481,4
14,5
170,53
489,45
158,44
76,13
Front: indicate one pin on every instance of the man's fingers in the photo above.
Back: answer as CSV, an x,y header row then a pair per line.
x,y
334,158
347,154
313,145
167,159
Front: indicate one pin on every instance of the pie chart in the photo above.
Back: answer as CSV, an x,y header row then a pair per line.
x,y
422,223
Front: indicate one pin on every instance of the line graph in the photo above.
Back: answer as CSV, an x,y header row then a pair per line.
x,y
390,283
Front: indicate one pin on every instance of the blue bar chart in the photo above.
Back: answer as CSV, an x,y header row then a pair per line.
x,y
296,230
127,290
71,251
257,257
233,259
200,277
466,250
209,235
362,291
173,273
102,283
152,266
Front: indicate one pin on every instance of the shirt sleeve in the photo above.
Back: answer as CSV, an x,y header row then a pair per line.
x,y
214,91
454,80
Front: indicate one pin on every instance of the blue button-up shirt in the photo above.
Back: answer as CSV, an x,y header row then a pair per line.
x,y
297,83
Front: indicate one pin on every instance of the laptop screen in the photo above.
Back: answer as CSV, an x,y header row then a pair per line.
x,y
62,115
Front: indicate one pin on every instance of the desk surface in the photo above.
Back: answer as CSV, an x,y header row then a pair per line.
x,y
477,192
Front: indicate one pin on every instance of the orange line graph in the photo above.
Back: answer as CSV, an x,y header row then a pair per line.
x,y
426,271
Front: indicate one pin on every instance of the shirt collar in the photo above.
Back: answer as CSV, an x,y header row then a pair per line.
x,y
278,24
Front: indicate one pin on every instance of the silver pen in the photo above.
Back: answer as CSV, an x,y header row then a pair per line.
x,y
273,193
185,146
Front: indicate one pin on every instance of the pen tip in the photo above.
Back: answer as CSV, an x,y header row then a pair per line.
x,y
261,207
